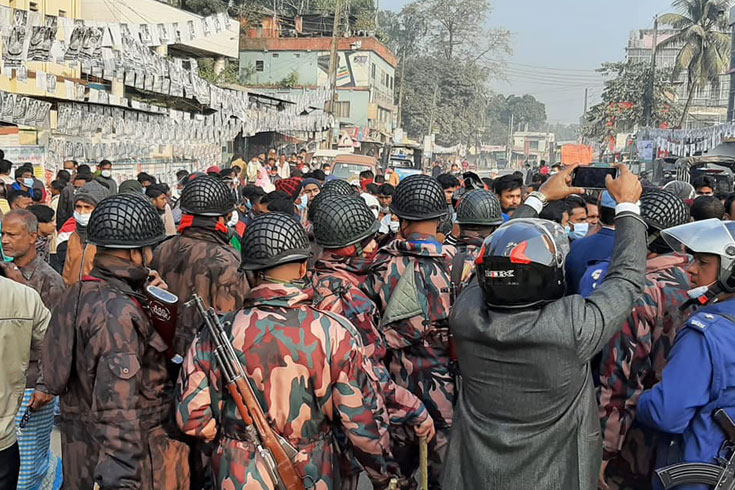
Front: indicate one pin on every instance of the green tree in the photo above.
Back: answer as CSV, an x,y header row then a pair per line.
x,y
703,34
443,49
622,106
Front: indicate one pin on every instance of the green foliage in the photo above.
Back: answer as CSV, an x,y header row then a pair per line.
x,y
290,81
623,100
229,75
525,110
704,39
444,48
205,7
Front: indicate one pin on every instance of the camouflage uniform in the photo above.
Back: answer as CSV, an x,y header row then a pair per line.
x,y
105,360
417,335
307,371
336,280
632,362
200,261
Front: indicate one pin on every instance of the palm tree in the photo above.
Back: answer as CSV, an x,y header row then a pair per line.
x,y
705,51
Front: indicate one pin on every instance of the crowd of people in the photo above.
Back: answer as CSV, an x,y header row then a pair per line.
x,y
530,333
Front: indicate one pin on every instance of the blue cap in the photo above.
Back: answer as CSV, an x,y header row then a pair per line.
x,y
607,201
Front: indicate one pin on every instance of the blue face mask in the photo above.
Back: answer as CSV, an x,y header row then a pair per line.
x,y
580,230
28,182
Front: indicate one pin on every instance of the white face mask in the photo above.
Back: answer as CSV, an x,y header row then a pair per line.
x,y
28,182
303,201
394,226
106,174
81,219
234,219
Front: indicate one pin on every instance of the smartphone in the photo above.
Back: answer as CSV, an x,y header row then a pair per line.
x,y
592,177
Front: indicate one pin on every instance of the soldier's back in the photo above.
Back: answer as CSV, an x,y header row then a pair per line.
x,y
199,262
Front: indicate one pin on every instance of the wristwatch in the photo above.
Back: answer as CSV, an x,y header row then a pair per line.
x,y
538,195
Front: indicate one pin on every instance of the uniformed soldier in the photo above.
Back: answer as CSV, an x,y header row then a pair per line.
x,y
199,260
700,371
104,358
410,283
478,215
306,368
635,357
345,228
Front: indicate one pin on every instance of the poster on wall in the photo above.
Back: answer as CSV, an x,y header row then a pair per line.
x,y
14,47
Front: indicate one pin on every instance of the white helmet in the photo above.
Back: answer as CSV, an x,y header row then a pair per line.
x,y
711,236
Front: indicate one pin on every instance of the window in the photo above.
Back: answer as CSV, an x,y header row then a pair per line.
x,y
342,109
259,65
62,13
33,7
372,74
298,55
533,145
275,55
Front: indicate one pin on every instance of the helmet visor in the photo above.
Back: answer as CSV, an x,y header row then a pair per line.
x,y
710,236
522,243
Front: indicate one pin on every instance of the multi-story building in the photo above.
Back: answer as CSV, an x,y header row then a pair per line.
x,y
709,105
289,66
532,147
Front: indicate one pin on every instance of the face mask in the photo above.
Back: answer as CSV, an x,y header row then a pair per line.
x,y
580,230
81,219
385,209
327,172
233,220
303,201
106,174
28,182
394,226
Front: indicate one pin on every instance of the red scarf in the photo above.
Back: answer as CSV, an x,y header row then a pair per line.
x,y
189,220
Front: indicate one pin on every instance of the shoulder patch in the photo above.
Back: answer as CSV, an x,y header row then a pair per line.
x,y
703,320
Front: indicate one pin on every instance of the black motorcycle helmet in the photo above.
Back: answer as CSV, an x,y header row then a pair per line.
x,y
337,186
271,240
207,196
419,198
522,264
341,221
125,221
479,207
660,210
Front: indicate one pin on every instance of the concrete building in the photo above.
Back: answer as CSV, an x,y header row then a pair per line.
x,y
285,66
532,147
709,105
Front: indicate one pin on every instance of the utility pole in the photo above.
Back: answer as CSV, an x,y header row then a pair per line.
x,y
333,63
510,139
400,89
333,60
731,94
651,89
586,93
433,109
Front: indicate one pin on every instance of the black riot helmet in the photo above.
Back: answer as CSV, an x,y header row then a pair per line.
x,y
337,186
522,264
324,196
341,221
125,221
206,196
662,210
479,207
419,198
273,239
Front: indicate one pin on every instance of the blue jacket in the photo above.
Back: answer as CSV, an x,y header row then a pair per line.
x,y
585,252
698,379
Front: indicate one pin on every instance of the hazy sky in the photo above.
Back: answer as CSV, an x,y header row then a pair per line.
x,y
557,44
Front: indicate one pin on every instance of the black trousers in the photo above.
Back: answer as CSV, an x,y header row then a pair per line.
x,y
9,467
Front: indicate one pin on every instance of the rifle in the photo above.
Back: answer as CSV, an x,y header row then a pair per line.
x,y
276,452
720,476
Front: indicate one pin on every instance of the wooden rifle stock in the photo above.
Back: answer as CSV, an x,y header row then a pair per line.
x,y
268,444
285,467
